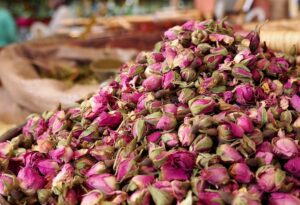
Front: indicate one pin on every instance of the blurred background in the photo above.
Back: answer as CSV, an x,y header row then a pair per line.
x,y
58,51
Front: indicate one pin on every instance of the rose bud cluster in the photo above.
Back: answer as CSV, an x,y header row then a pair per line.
x,y
209,117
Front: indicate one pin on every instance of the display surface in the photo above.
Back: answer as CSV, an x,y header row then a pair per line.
x,y
207,117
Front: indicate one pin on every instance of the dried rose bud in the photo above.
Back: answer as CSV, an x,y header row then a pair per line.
x,y
93,197
152,70
169,78
244,94
48,167
236,130
102,152
185,94
212,61
30,180
270,178
295,102
106,183
126,169
202,105
215,37
267,157
198,36
170,108
184,58
241,72
140,197
283,198
228,153
140,182
154,137
167,122
210,198
215,174
202,143
155,57
152,83
254,40
178,166
241,173
182,111
153,106
278,66
57,122
139,129
7,183
224,132
35,126
246,198
293,166
135,69
111,119
44,195
173,32
245,123
62,179
98,168
186,135
170,139
188,74
69,198
285,147
153,118
160,196
62,154
6,149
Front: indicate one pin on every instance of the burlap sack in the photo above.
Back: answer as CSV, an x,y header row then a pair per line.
x,y
37,94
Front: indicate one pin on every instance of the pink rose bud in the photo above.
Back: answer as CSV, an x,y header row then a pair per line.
x,y
202,105
293,166
111,119
241,173
6,149
228,153
152,83
135,70
155,57
140,182
188,74
241,72
170,139
160,196
185,95
70,198
270,178
182,111
7,183
254,40
245,123
285,147
154,137
212,61
224,132
57,122
139,129
178,166
98,168
170,108
153,70
153,106
173,32
267,157
202,143
278,66
30,180
186,135
184,58
167,122
169,78
126,169
62,179
35,126
48,167
153,118
283,198
215,37
93,197
102,152
236,130
295,102
210,198
245,94
62,154
44,196
198,36
246,198
227,95
106,183
215,174
140,197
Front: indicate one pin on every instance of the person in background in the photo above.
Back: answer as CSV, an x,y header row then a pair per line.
x,y
8,31
62,11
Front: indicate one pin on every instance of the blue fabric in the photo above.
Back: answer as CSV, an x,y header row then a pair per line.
x,y
8,31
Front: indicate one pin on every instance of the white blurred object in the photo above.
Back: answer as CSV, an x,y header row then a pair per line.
x,y
294,8
255,13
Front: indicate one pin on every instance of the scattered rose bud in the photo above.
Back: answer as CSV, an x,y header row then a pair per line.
x,y
283,198
270,178
215,174
241,172
106,183
30,180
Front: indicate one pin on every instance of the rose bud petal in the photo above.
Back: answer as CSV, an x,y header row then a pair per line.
x,y
170,108
98,168
139,129
285,147
185,94
267,157
62,179
186,135
228,153
254,40
246,198
210,198
178,166
7,183
154,137
231,187
161,196
182,111
270,178
140,182
111,119
245,94
106,183
35,126
188,74
62,154
227,95
169,78
198,36
153,118
184,58
152,83
171,139
102,152
295,102
241,172
70,198
202,143
140,197
202,105
57,122
283,198
236,130
135,70
172,33
48,167
224,132
241,72
126,169
167,122
93,197
30,180
212,61
293,166
245,123
215,174
153,106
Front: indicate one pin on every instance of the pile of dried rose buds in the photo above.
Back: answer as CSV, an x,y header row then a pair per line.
x,y
209,117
